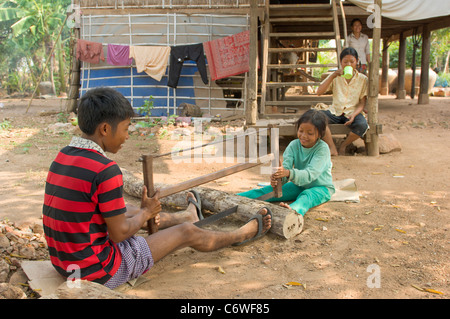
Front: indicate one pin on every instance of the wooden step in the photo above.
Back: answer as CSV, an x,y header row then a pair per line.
x,y
299,10
295,103
311,6
294,66
282,50
308,35
313,97
300,19
282,84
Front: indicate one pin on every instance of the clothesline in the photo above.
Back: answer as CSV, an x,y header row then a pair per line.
x,y
226,57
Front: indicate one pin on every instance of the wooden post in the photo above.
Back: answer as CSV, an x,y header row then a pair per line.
x,y
384,89
425,65
252,83
275,150
372,141
265,60
416,41
344,24
336,31
401,92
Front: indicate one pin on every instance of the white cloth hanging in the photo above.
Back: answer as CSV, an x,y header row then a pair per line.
x,y
409,10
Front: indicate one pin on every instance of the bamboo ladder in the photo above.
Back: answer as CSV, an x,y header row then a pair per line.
x,y
281,22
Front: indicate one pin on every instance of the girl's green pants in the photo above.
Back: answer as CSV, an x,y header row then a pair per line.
x,y
303,198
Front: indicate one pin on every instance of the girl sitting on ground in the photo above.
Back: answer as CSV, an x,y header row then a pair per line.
x,y
349,99
306,168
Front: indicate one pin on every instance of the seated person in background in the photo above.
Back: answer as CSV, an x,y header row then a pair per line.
x,y
306,167
349,99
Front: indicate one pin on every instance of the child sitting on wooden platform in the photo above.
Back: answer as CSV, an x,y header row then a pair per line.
x,y
306,167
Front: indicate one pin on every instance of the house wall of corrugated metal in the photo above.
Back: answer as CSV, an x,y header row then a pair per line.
x,y
163,29
121,4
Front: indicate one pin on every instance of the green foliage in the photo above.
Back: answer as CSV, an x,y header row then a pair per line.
x,y
28,30
147,107
440,46
445,76
146,111
5,125
14,83
324,57
172,119
443,79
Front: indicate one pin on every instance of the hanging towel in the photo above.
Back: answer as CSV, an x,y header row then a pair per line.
x,y
88,51
151,59
181,53
119,55
228,56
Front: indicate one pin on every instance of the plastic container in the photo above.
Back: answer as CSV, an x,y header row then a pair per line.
x,y
348,72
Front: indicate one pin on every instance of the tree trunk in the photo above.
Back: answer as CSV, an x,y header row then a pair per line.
x,y
286,223
62,78
33,77
51,69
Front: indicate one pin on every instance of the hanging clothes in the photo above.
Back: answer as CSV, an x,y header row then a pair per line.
x,y
181,53
151,59
89,51
119,55
228,56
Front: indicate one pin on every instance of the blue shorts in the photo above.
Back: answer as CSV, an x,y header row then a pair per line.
x,y
359,125
136,260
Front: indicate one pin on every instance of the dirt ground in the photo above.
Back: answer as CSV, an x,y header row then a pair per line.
x,y
393,244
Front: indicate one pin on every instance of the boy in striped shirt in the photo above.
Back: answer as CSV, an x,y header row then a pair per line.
x,y
88,226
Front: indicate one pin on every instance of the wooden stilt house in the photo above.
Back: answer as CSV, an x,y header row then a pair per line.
x,y
277,28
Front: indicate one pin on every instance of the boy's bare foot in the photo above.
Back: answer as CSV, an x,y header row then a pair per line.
x,y
188,215
250,230
342,150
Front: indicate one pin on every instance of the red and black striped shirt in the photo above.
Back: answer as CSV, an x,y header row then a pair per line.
x,y
82,188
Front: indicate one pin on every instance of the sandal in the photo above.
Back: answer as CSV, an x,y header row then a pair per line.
x,y
260,232
197,203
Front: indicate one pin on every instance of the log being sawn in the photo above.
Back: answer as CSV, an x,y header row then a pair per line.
x,y
286,223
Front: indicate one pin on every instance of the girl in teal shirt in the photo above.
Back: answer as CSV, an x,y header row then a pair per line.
x,y
306,167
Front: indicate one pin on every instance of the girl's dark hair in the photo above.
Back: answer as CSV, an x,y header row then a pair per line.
x,y
316,118
102,105
348,51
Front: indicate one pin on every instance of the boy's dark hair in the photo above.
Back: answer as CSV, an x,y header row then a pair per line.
x,y
316,118
355,20
102,105
348,51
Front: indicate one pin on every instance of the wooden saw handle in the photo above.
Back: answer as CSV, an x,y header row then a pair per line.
x,y
147,163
